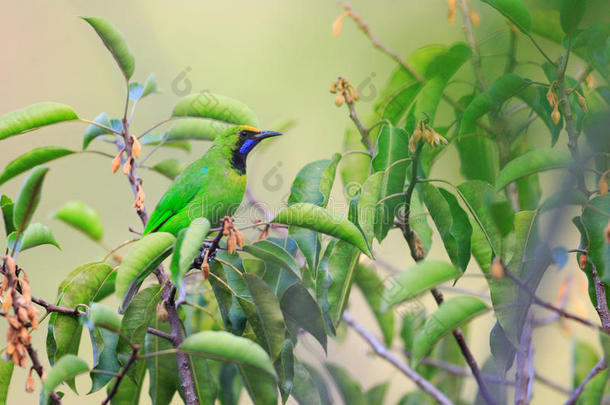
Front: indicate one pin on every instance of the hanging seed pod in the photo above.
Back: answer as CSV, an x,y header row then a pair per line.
x,y
231,243
602,184
127,166
582,261
136,147
582,102
8,301
240,238
556,115
29,383
162,312
607,232
475,18
10,262
339,100
451,14
116,162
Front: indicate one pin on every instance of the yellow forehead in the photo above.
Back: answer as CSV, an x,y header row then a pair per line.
x,y
251,129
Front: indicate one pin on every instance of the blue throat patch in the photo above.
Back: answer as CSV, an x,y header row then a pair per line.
x,y
248,145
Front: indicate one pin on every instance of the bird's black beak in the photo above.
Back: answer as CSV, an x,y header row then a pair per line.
x,y
265,134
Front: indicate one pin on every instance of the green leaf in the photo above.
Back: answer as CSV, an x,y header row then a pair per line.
x,y
144,256
323,283
169,168
545,22
515,11
6,372
535,97
341,267
309,244
391,158
81,217
314,182
135,91
320,382
80,287
594,223
271,252
93,131
324,221
28,199
367,205
305,391
372,287
451,221
416,280
28,160
196,129
285,368
501,90
349,388
376,394
478,157
65,369
418,219
535,161
116,44
268,321
188,245
103,317
162,370
570,15
450,314
6,205
224,346
34,235
150,85
584,357
355,167
216,107
33,117
104,344
300,308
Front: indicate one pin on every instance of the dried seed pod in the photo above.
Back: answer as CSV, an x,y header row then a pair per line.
x,y
116,162
162,312
25,290
420,252
475,18
231,243
240,238
14,322
7,303
339,100
29,383
581,102
582,261
10,262
136,147
23,315
602,184
337,23
33,313
607,232
127,166
551,97
451,14
497,268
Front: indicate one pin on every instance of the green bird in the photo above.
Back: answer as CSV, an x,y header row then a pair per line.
x,y
212,186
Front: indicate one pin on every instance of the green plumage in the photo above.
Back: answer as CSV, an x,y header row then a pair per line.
x,y
211,187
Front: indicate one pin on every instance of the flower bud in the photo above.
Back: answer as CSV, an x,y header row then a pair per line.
x,y
582,261
602,184
231,243
116,162
497,268
29,383
127,166
555,115
136,147
162,312
475,18
339,100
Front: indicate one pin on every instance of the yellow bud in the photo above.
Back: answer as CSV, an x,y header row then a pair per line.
x,y
162,312
451,15
127,167
339,100
231,243
602,185
136,148
29,383
590,80
551,97
116,162
582,261
497,268
582,102
337,23
475,18
555,115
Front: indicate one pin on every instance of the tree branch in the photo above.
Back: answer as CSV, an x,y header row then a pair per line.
x,y
121,374
161,334
469,33
599,367
384,353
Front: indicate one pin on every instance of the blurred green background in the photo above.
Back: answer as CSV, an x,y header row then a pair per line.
x,y
278,57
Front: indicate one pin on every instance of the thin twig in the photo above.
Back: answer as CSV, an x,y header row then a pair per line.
x,y
469,33
56,308
599,367
121,374
601,305
384,353
160,333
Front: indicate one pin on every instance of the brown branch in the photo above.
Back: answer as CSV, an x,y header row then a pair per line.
x,y
601,305
364,130
470,360
160,334
384,353
469,33
121,374
524,374
599,367
56,308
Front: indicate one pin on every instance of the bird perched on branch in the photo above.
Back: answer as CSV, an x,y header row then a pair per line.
x,y
211,187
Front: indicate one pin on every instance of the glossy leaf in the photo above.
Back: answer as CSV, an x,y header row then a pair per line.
x,y
416,280
33,117
309,244
6,205
452,223
143,257
376,394
349,388
103,317
367,205
372,287
150,85
320,382
81,286
304,391
35,235
354,167
28,199
116,44
162,370
341,267
536,161
324,221
93,131
323,283
217,107
449,315
570,14
594,223
300,309
314,182
478,157
584,358
501,90
269,251
224,346
104,344
188,246
6,372
81,217
535,97
65,369
285,368
169,168
30,159
196,129
268,320
515,11
391,158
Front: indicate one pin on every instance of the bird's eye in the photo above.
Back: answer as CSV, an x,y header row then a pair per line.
x,y
243,133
